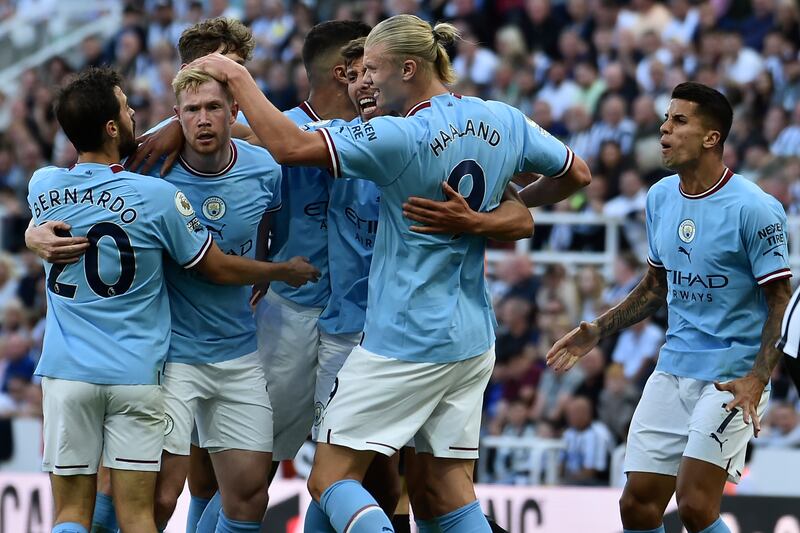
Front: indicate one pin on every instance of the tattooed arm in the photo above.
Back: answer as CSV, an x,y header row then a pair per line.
x,y
747,390
644,300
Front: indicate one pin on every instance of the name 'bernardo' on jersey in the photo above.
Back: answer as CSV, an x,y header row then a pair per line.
x,y
484,131
105,199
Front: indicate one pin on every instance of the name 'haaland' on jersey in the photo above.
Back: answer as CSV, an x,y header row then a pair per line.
x,y
484,131
105,199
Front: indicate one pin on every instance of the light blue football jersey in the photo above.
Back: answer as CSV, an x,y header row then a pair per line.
x,y
108,317
300,227
352,227
213,323
717,248
428,300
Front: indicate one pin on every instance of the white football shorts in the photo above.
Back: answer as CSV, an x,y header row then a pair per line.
x,y
84,421
333,352
685,417
288,344
379,403
227,401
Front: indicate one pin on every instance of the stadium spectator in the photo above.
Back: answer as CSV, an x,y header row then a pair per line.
x,y
617,402
588,445
787,144
626,276
637,350
512,465
590,289
782,431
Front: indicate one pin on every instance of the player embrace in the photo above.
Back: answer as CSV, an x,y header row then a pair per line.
x,y
717,258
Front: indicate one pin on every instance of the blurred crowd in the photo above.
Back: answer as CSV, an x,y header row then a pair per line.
x,y
595,73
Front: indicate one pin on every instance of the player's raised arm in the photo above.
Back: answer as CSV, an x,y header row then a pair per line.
x,y
644,300
510,221
288,144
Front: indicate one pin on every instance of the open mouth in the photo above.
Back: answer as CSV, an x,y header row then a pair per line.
x,y
205,136
367,104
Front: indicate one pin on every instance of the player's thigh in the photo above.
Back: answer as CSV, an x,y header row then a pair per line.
x,y
333,352
243,476
717,436
378,403
74,412
104,480
453,428
201,477
439,485
183,387
73,498
659,429
134,495
134,428
699,486
239,414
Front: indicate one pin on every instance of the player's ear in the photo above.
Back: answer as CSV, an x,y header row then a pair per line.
x,y
112,129
712,139
409,69
177,111
340,73
234,111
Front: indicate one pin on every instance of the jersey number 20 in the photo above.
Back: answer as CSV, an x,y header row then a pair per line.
x,y
91,264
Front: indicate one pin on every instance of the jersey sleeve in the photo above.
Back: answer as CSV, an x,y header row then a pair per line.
x,y
378,150
764,236
653,258
181,233
541,152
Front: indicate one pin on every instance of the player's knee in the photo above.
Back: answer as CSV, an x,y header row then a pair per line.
x,y
165,503
248,505
635,510
695,511
316,484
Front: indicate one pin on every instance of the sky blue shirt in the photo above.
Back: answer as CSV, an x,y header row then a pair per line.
x,y
352,227
718,248
108,316
428,300
300,227
213,323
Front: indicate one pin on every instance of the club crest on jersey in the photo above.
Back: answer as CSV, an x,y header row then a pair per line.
x,y
183,205
169,424
687,230
214,208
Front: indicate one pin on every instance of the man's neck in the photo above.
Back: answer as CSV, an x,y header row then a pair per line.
x,y
331,101
106,156
212,163
702,176
425,92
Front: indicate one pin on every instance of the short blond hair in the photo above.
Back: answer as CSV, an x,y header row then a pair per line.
x,y
192,78
409,36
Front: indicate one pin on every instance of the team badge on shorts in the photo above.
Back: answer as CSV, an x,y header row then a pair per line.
x,y
318,410
169,424
182,204
687,230
214,208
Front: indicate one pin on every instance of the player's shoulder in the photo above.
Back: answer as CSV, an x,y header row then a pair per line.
x,y
246,153
665,187
45,174
754,198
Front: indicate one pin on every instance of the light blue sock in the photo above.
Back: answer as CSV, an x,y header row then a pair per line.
x,y
208,521
104,519
226,525
659,529
717,527
69,527
350,507
196,507
316,520
428,526
467,519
